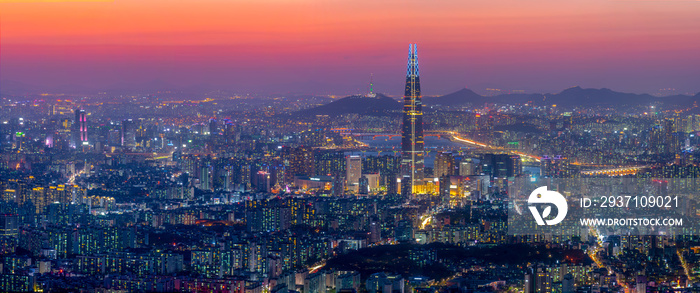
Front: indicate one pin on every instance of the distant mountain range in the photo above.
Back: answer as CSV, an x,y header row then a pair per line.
x,y
378,105
571,97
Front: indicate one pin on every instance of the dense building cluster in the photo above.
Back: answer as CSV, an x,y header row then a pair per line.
x,y
139,194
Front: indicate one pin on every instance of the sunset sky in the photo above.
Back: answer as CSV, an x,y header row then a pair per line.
x,y
332,46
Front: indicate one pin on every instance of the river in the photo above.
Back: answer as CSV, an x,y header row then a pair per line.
x,y
383,145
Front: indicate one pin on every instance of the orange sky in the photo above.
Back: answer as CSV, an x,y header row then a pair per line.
x,y
334,44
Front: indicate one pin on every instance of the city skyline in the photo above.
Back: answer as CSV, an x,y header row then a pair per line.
x,y
315,47
251,194
265,146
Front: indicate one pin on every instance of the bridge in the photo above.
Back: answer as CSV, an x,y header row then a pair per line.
x,y
455,136
148,156
622,171
374,135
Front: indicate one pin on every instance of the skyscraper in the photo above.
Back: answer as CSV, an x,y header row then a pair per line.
x,y
128,133
353,172
412,128
213,127
80,127
298,161
444,164
466,167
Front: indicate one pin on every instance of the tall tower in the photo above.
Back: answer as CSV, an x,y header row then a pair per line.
x,y
371,93
80,126
412,128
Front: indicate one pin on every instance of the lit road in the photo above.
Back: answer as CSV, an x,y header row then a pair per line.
x,y
426,219
615,171
457,137
593,253
71,179
317,266
685,265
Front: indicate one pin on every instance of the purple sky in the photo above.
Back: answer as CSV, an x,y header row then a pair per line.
x,y
332,47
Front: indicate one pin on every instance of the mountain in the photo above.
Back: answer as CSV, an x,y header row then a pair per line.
x,y
467,96
576,96
571,97
460,97
354,104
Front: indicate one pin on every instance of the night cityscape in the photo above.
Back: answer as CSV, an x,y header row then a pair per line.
x,y
135,165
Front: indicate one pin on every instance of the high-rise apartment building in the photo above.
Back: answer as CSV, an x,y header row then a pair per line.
x,y
353,172
128,133
444,164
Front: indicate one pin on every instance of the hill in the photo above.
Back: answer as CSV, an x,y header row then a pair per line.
x,y
354,105
571,97
458,98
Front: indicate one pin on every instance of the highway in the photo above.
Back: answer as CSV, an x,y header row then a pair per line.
x,y
615,171
456,136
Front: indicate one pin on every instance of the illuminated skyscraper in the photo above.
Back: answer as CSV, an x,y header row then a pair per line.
x,y
298,161
353,169
128,133
80,127
444,164
466,167
412,128
213,127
